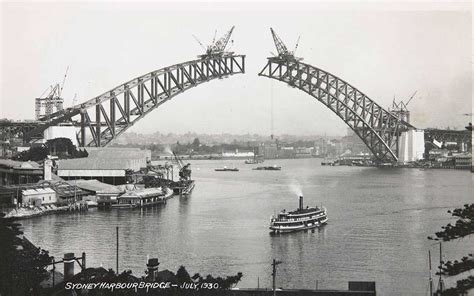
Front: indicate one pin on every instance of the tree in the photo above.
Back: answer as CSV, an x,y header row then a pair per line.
x,y
182,275
223,283
22,265
463,227
59,146
36,153
196,143
64,147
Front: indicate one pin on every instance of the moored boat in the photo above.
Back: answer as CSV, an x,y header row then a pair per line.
x,y
299,219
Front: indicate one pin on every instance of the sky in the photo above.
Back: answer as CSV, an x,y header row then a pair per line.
x,y
385,49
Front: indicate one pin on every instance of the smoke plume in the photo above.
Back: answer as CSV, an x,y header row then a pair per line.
x,y
295,187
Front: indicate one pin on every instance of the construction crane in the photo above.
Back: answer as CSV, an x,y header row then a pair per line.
x,y
283,52
64,81
44,106
402,105
216,48
184,169
400,109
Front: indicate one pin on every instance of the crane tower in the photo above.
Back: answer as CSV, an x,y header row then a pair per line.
x,y
53,102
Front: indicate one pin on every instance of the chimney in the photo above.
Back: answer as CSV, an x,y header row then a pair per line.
x,y
301,202
47,168
68,266
152,266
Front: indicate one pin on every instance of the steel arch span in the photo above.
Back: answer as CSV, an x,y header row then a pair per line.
x,y
108,115
378,128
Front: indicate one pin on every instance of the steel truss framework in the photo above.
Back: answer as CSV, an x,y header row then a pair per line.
x,y
378,128
105,117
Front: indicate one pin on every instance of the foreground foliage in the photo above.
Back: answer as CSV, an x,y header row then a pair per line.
x,y
22,265
463,227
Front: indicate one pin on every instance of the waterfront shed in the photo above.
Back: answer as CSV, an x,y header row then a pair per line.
x,y
44,195
143,197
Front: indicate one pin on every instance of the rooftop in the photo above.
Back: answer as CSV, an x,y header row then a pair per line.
x,y
62,188
118,152
46,190
147,192
93,163
96,186
22,165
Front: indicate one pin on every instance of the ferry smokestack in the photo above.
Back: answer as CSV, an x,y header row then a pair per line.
x,y
301,202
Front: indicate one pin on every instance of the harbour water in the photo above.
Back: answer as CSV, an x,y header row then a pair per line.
x,y
379,220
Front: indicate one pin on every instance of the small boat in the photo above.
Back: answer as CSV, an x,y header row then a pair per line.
x,y
226,169
328,162
299,219
268,168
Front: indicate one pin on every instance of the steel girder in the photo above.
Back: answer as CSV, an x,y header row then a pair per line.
x,y
378,128
105,117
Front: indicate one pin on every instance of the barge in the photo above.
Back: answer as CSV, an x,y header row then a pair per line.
x,y
268,168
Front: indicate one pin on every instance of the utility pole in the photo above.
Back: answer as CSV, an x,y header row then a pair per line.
x,y
440,283
117,255
274,265
431,279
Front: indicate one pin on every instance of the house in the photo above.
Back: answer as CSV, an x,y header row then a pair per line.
x,y
39,196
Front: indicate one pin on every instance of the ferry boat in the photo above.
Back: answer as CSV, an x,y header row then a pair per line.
x,y
226,169
299,219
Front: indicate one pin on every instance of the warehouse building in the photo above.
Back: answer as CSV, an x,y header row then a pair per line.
x,y
107,165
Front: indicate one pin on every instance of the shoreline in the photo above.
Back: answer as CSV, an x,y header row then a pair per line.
x,y
26,213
